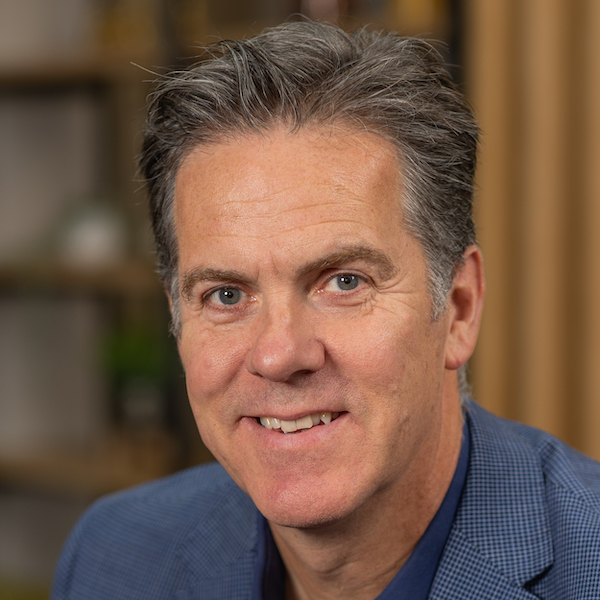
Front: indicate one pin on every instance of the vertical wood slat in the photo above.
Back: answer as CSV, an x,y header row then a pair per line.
x,y
590,427
489,76
533,71
543,214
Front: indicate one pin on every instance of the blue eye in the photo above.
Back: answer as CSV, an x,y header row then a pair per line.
x,y
227,296
347,282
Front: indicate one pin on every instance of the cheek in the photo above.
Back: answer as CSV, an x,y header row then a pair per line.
x,y
210,361
379,347
392,357
211,364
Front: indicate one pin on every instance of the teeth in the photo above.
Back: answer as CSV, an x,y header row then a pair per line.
x,y
288,426
267,422
303,423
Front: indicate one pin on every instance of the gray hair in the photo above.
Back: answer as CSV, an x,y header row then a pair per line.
x,y
305,73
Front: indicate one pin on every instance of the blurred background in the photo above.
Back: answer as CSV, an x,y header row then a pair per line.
x,y
92,395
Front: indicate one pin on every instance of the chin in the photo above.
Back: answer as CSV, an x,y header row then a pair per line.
x,y
300,518
305,509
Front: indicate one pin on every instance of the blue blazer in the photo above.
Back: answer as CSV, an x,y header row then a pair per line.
x,y
528,526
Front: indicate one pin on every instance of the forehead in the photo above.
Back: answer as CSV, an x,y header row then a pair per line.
x,y
317,185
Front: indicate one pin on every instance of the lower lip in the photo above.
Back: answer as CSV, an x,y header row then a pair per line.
x,y
276,439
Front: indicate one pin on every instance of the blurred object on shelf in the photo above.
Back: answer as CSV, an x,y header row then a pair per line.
x,y
48,156
140,367
143,403
92,235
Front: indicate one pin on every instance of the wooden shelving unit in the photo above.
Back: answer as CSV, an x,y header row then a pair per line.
x,y
133,277
122,86
129,289
126,294
123,460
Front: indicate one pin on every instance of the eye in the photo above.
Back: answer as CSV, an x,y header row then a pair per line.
x,y
345,282
226,296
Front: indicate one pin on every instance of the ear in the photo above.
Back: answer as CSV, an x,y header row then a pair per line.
x,y
465,305
171,310
169,298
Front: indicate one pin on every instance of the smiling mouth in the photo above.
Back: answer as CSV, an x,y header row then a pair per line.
x,y
298,425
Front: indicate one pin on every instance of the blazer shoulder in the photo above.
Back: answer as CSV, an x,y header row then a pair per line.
x,y
531,507
561,465
142,538
171,505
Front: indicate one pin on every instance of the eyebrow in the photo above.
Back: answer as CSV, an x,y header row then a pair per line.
x,y
385,267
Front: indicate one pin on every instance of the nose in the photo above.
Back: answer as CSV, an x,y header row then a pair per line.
x,y
284,345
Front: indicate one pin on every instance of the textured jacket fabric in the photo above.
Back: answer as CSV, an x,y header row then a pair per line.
x,y
528,526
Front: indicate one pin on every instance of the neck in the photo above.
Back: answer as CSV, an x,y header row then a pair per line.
x,y
357,557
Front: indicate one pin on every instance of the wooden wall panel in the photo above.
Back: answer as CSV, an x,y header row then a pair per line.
x,y
543,186
590,349
491,83
533,74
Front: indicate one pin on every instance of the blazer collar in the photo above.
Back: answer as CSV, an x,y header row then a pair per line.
x,y
500,539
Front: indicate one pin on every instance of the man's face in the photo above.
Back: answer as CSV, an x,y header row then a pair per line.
x,y
303,294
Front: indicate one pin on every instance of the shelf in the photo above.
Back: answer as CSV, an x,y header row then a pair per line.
x,y
132,277
123,461
58,73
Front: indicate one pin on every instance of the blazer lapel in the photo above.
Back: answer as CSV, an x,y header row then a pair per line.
x,y
464,573
500,539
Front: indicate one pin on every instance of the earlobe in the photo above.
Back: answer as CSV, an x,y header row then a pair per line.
x,y
465,306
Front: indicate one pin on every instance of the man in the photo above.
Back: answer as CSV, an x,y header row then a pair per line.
x,y
311,198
